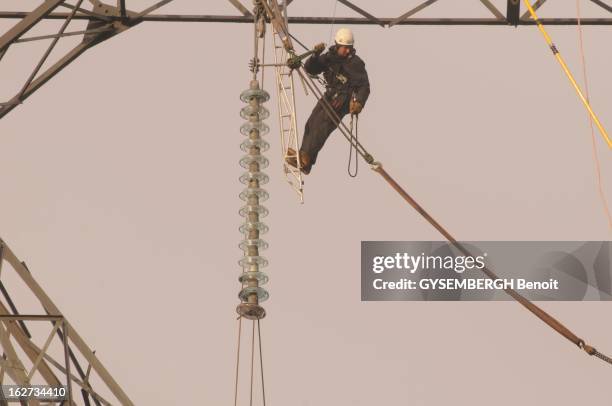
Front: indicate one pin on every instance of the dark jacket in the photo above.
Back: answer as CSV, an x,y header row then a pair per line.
x,y
344,76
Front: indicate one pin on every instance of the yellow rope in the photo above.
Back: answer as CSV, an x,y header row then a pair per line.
x,y
568,73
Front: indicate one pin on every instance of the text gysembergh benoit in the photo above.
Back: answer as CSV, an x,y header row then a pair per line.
x,y
411,264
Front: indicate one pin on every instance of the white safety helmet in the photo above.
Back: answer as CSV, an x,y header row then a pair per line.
x,y
344,36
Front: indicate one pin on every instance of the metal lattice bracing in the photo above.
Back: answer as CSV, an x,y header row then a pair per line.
x,y
514,14
104,22
107,20
43,348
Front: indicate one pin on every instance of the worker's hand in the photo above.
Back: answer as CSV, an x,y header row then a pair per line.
x,y
294,62
319,48
355,107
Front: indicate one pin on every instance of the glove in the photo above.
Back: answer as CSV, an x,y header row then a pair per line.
x,y
294,62
355,107
319,48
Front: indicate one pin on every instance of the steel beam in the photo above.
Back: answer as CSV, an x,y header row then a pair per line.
x,y
386,21
151,9
65,34
535,6
362,12
11,304
25,341
16,370
493,9
28,21
198,18
74,337
602,5
97,31
241,8
87,12
412,12
50,49
45,77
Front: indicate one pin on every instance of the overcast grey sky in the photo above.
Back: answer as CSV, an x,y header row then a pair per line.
x,y
120,191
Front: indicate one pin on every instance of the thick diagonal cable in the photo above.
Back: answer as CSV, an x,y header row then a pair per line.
x,y
569,75
537,311
599,355
377,167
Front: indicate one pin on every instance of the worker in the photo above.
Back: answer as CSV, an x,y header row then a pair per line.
x,y
347,89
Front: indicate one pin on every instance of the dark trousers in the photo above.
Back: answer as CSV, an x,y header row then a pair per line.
x,y
318,128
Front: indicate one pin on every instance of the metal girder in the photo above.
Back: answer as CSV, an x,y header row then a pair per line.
x,y
13,366
149,10
84,384
29,20
362,12
493,9
65,34
104,22
602,5
87,12
365,21
39,357
46,76
11,304
409,13
240,7
49,49
69,337
536,5
387,22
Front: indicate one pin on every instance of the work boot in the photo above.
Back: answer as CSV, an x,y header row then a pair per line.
x,y
304,160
